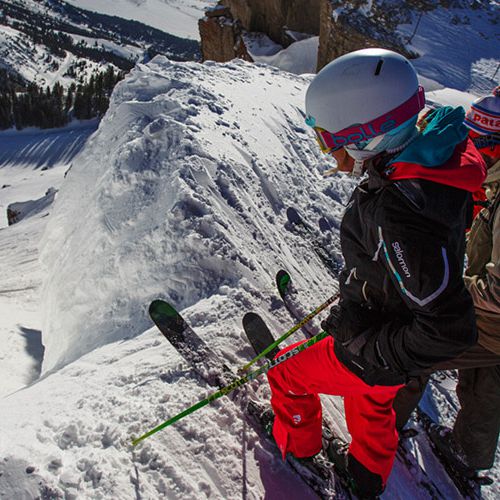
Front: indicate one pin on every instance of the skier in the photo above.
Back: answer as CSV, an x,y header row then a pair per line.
x,y
403,306
472,443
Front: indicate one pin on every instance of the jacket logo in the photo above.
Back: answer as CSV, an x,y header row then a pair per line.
x,y
297,419
399,255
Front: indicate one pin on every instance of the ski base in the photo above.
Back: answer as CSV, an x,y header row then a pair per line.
x,y
189,345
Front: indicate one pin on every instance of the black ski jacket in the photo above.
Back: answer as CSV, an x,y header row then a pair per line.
x,y
405,306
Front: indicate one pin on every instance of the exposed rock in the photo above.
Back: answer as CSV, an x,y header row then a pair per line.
x,y
12,216
276,17
20,210
342,26
221,38
222,27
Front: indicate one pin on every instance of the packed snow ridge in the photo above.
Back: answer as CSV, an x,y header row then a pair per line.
x,y
181,193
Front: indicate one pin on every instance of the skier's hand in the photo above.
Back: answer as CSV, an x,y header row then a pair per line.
x,y
349,320
343,323
331,324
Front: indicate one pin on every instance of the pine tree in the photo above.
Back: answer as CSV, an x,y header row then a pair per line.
x,y
68,104
6,116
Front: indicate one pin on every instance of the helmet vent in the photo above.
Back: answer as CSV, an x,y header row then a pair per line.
x,y
379,67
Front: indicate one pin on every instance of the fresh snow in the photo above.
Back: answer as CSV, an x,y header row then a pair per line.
x,y
468,66
177,17
180,193
179,171
300,57
32,167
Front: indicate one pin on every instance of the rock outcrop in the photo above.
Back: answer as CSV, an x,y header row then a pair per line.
x,y
221,28
342,26
23,209
221,38
276,18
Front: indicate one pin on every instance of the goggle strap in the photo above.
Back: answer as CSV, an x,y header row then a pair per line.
x,y
378,126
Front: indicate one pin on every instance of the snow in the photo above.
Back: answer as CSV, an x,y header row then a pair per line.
x,y
33,160
177,17
181,194
177,172
35,63
300,57
125,51
32,164
469,66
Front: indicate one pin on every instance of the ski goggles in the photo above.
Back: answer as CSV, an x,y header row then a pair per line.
x,y
353,134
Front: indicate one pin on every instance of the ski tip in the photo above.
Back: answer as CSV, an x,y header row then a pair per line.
x,y
292,215
160,307
254,320
250,317
282,281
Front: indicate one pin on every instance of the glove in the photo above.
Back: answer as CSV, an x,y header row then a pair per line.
x,y
338,324
349,320
332,323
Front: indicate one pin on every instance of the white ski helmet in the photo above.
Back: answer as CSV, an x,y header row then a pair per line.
x,y
361,95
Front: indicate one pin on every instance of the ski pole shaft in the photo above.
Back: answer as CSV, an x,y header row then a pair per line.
x,y
234,385
299,325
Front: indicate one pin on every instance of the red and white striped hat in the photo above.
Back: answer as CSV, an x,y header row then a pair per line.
x,y
484,114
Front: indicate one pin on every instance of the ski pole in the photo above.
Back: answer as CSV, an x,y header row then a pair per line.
x,y
234,385
299,325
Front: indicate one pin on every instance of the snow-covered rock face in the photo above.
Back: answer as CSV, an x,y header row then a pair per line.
x,y
179,194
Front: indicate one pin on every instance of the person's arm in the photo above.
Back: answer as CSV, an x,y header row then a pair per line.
x,y
485,290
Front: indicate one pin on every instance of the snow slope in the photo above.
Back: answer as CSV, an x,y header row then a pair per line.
x,y
177,17
300,57
47,42
179,171
458,47
181,193
32,163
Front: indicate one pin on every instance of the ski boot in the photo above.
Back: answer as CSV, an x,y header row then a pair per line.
x,y
444,442
363,483
316,471
263,414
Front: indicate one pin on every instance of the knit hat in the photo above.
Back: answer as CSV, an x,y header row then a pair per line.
x,y
483,119
484,114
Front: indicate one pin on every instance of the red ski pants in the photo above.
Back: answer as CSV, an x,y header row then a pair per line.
x,y
295,385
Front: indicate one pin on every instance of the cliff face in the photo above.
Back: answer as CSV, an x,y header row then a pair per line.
x,y
222,26
342,26
221,38
276,17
